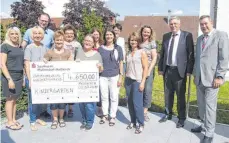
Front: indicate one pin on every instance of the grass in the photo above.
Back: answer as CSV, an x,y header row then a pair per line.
x,y
158,100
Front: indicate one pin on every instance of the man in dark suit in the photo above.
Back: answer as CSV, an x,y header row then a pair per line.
x,y
175,64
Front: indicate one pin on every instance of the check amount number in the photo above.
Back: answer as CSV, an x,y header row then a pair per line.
x,y
86,76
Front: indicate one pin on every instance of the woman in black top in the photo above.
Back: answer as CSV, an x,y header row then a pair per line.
x,y
12,59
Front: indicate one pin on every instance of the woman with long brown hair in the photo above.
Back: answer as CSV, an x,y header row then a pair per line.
x,y
149,45
136,73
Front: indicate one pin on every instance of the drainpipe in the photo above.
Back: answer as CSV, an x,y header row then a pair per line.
x,y
169,14
215,13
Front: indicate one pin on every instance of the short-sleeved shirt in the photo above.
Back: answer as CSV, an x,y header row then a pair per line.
x,y
72,46
111,59
15,57
35,53
83,57
47,41
121,42
51,55
148,47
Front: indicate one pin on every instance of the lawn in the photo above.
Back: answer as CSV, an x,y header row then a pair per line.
x,y
158,100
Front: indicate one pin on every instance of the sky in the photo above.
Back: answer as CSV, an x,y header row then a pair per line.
x,y
122,7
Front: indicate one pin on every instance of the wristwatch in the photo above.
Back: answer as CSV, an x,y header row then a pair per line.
x,y
219,77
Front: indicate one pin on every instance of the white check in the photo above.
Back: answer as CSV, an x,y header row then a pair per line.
x,y
64,82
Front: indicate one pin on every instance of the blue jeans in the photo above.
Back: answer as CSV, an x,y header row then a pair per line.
x,y
124,68
147,94
88,112
135,101
33,109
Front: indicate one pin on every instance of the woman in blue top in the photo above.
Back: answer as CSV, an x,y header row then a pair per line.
x,y
111,77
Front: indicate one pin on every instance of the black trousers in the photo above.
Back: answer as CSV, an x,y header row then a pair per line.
x,y
174,83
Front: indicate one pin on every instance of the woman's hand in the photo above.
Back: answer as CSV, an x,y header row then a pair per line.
x,y
119,84
11,84
99,65
45,61
141,86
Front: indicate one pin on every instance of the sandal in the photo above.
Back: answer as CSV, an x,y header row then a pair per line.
x,y
112,122
62,123
130,126
41,122
18,124
139,130
102,121
70,113
33,127
54,124
13,127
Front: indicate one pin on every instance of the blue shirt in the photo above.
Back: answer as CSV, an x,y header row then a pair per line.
x,y
47,41
111,59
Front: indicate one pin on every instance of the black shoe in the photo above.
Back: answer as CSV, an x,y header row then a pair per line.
x,y
87,127
83,126
165,118
207,139
180,124
197,129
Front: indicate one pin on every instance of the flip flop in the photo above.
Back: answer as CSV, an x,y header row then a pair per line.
x,y
10,127
18,124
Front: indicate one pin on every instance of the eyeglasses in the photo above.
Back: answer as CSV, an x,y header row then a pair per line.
x,y
44,21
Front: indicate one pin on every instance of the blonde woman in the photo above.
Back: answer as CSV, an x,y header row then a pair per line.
x,y
58,53
12,61
149,45
34,52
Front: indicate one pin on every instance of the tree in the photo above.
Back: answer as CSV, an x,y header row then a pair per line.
x,y
73,12
90,20
26,12
3,32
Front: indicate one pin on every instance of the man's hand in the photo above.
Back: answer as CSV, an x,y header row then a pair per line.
x,y
188,74
160,72
217,82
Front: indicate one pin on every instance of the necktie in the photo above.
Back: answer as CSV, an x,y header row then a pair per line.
x,y
204,41
171,49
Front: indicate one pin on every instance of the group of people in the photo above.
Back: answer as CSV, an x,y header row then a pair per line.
x,y
136,64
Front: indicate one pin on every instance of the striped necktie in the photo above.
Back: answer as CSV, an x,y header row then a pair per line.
x,y
204,41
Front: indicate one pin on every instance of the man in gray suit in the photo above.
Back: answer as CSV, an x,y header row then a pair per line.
x,y
211,63
175,64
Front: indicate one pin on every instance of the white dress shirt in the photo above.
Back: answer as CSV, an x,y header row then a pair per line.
x,y
208,36
121,42
175,46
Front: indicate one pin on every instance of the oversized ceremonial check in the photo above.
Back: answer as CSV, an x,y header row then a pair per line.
x,y
64,82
